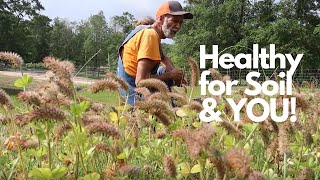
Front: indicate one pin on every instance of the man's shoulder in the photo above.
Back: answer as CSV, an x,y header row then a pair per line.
x,y
148,32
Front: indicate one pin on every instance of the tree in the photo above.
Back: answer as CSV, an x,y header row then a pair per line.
x,y
62,39
40,36
123,24
16,19
96,32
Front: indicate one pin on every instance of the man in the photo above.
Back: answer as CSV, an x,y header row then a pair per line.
x,y
140,54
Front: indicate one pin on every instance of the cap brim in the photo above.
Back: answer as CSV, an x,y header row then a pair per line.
x,y
186,15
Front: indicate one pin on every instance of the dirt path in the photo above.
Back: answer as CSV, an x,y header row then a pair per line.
x,y
42,76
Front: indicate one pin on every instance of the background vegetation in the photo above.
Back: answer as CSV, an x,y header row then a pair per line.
x,y
294,26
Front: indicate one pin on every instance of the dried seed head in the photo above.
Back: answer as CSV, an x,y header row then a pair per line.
x,y
61,130
305,84
308,138
102,147
194,72
3,119
159,96
48,93
30,97
306,174
153,106
215,74
50,75
123,84
5,99
134,127
231,128
184,134
143,90
273,147
63,69
154,83
169,166
226,78
144,121
204,134
195,105
238,160
41,114
129,169
13,142
63,100
301,102
312,87
103,127
105,84
147,168
264,133
106,148
255,175
196,140
97,107
65,87
274,125
179,99
12,58
28,144
160,133
283,140
89,118
216,158
108,173
297,87
163,118
180,90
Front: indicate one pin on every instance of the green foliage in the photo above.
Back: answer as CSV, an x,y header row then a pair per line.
x,y
23,82
125,144
92,176
78,109
292,25
46,173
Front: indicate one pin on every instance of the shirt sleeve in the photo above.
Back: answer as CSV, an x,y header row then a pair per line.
x,y
149,46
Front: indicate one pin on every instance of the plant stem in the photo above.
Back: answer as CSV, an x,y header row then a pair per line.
x,y
202,162
81,159
76,174
49,145
284,165
21,161
191,93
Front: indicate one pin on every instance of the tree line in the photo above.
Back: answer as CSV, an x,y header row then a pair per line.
x,y
294,26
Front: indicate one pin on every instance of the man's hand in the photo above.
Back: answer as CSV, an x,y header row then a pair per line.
x,y
176,74
181,81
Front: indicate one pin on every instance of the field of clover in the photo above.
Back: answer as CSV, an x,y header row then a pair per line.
x,y
54,133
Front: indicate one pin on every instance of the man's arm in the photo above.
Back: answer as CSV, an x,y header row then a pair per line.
x,y
145,66
167,63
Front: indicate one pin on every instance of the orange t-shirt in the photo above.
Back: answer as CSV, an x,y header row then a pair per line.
x,y
144,44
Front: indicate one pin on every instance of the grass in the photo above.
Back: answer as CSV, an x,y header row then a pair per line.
x,y
139,146
111,98
103,97
8,82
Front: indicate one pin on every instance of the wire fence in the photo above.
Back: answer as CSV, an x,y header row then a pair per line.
x,y
309,75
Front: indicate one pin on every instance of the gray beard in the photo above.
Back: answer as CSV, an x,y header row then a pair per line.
x,y
166,31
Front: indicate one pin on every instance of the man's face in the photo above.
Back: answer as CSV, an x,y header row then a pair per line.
x,y
171,25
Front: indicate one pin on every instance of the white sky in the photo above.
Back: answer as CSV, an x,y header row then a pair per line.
x,y
77,10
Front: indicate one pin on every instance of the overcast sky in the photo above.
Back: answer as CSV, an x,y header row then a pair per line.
x,y
77,10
